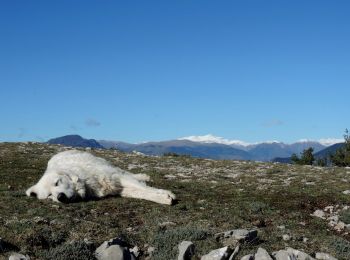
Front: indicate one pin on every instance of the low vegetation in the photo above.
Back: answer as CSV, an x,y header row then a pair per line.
x,y
342,156
213,196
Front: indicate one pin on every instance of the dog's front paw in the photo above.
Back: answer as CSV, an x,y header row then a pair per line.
x,y
169,198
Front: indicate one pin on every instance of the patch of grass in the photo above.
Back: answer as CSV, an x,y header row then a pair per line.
x,y
341,247
166,242
345,216
74,251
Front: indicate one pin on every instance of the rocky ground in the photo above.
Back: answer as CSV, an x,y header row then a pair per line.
x,y
294,211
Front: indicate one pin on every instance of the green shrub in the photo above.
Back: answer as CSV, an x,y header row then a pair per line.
x,y
307,157
342,156
345,216
341,247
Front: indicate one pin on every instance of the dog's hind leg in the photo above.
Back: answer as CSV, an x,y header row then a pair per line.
x,y
141,177
142,191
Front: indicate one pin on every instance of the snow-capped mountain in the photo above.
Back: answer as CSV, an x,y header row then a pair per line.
x,y
210,146
209,138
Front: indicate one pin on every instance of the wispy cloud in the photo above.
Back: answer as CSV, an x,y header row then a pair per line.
x,y
22,132
73,127
92,122
272,123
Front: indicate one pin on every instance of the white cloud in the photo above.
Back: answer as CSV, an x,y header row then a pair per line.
x,y
92,122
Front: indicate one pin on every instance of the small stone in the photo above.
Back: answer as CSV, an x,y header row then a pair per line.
x,y
238,234
248,257
259,223
40,220
299,255
186,250
262,254
283,255
286,237
113,249
346,192
16,256
150,250
340,226
305,239
135,251
319,213
324,256
282,227
167,224
218,254
235,253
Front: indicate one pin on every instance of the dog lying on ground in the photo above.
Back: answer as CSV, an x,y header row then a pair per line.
x,y
75,175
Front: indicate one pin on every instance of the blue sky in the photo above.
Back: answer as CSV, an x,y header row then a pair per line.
x,y
157,70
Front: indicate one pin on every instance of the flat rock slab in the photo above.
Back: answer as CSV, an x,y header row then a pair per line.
x,y
186,250
16,256
262,254
238,234
218,254
324,256
114,249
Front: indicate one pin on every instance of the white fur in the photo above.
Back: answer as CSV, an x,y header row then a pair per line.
x,y
79,174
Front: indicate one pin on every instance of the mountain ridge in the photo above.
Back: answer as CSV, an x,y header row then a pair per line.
x,y
266,151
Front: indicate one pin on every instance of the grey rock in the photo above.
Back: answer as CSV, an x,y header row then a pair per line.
x,y
235,253
299,254
16,256
186,250
286,237
113,249
283,255
135,251
248,257
324,256
238,234
319,213
218,254
262,254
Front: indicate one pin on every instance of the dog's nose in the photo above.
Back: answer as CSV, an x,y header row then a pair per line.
x,y
61,197
32,194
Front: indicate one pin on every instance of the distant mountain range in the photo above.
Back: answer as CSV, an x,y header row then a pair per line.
x,y
75,141
325,153
218,148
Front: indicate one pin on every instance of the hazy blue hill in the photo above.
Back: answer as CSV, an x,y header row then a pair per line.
x,y
329,150
258,152
75,141
266,151
324,153
184,147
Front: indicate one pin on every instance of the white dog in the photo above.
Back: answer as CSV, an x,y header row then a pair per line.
x,y
74,175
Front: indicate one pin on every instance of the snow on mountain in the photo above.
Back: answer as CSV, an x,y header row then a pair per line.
x,y
209,138
330,141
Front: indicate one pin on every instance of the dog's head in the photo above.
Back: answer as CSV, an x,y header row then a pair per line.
x,y
58,187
